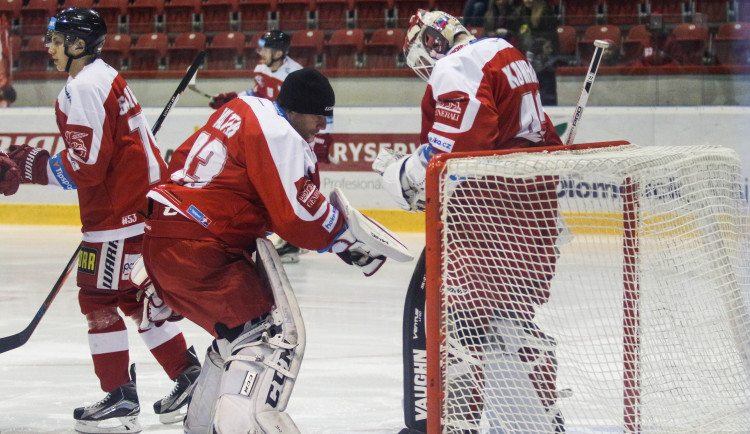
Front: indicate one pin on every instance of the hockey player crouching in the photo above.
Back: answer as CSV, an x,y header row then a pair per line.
x,y
484,95
248,171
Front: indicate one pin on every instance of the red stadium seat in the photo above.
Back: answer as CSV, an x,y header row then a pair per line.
x,y
88,4
258,14
34,56
149,52
35,16
182,15
384,50
690,42
220,15
333,14
295,14
373,14
146,16
581,12
116,50
345,49
625,11
672,11
637,39
12,10
732,44
307,47
225,51
477,32
567,39
404,9
115,14
592,33
183,50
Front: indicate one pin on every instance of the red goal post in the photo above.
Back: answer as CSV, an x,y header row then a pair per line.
x,y
656,210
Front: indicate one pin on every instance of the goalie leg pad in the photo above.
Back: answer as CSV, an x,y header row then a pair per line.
x,y
520,372
254,381
206,392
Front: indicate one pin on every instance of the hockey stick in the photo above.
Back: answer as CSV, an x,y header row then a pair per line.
x,y
599,47
11,342
180,88
14,341
195,89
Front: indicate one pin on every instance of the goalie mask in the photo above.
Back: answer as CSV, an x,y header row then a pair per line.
x,y
430,36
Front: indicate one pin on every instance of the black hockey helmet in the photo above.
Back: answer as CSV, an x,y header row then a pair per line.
x,y
79,23
275,39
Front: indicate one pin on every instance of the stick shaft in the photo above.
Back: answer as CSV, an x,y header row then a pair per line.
x,y
180,88
599,47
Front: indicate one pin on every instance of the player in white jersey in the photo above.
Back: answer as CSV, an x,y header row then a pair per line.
x,y
483,95
111,159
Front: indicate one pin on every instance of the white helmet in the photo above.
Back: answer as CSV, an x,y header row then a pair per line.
x,y
429,37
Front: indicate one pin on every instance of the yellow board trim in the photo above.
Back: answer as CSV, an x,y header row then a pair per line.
x,y
39,214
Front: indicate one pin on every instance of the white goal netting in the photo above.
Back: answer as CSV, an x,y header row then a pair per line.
x,y
604,287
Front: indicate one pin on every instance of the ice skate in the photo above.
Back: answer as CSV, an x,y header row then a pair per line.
x,y
288,253
169,407
116,413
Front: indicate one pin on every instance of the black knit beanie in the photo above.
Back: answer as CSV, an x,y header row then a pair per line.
x,y
307,91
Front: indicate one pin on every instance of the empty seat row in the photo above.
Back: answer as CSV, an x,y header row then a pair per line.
x,y
346,48
686,44
587,12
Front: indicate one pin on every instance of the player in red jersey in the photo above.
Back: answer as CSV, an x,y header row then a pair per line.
x,y
482,95
270,72
249,171
111,159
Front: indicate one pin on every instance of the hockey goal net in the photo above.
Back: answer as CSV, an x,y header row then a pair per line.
x,y
601,284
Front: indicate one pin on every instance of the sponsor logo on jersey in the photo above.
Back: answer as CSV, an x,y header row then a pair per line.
x,y
277,382
79,141
61,175
450,108
420,384
127,266
196,214
440,143
331,221
87,260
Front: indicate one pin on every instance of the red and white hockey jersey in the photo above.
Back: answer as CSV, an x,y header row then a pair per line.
x,y
248,172
484,95
267,82
110,155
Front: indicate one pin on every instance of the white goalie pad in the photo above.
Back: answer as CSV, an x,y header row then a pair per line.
x,y
376,237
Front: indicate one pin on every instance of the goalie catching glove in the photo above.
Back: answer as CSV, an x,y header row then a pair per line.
x,y
404,175
364,242
155,311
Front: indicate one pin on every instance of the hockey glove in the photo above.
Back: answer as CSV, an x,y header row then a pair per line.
x,y
221,99
155,311
10,176
364,242
403,176
32,162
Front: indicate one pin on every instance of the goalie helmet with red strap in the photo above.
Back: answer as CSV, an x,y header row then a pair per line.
x,y
430,36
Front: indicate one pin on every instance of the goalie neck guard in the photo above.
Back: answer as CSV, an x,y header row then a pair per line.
x,y
430,36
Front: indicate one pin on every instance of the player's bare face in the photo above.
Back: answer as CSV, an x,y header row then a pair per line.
x,y
306,125
268,56
56,49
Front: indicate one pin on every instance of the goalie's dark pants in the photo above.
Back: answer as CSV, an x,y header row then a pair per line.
x,y
203,279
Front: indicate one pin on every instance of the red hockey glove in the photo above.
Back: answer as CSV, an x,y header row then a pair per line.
x,y
10,176
221,99
32,162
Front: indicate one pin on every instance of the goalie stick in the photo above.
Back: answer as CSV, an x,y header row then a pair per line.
x,y
12,342
599,47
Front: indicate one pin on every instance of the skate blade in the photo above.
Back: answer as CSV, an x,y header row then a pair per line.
x,y
172,417
126,424
289,259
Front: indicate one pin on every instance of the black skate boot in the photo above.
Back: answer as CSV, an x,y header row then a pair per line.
x,y
168,408
288,253
120,405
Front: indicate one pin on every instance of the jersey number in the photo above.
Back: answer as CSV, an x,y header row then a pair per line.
x,y
205,161
137,123
531,112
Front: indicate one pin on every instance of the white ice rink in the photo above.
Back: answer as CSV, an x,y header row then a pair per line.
x,y
351,376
